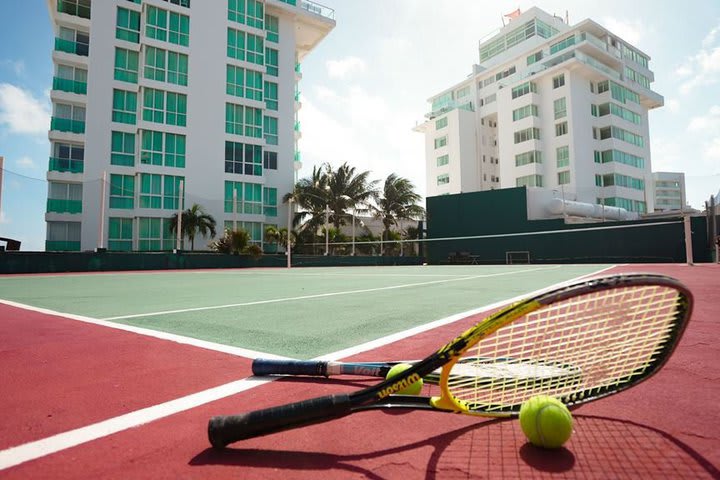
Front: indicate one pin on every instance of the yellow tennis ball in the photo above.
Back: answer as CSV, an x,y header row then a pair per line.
x,y
413,388
546,421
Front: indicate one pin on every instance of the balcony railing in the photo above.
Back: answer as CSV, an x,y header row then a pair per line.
x,y
67,125
318,9
66,165
57,205
69,46
67,85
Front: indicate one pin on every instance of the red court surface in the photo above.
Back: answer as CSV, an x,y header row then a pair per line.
x,y
667,427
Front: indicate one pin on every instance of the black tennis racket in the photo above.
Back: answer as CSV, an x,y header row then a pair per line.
x,y
618,331
476,369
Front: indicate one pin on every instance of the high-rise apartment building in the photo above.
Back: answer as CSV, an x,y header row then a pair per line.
x,y
549,105
161,104
668,190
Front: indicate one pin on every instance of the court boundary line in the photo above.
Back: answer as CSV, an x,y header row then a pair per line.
x,y
23,453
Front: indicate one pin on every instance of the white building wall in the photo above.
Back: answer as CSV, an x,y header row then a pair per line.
x,y
204,169
590,60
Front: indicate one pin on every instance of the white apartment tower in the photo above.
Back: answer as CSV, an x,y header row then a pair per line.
x,y
152,99
550,105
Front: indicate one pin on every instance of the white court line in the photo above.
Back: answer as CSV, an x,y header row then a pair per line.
x,y
33,450
195,342
323,295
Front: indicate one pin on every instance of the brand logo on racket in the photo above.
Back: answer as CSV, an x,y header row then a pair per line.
x,y
402,384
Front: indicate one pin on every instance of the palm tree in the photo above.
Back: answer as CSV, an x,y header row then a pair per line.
x,y
397,201
233,242
194,221
272,236
347,190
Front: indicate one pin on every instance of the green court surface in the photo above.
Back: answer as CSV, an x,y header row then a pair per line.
x,y
302,312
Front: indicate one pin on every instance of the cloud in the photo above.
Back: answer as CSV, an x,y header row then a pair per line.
x,y
21,112
672,105
702,68
26,163
345,67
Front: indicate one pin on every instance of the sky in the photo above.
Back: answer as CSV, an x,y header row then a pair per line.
x,y
366,85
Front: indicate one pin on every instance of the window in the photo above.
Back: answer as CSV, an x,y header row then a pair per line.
x,y
271,61
562,154
270,201
124,107
120,234
68,118
122,149
164,107
563,177
255,14
126,65
270,129
244,159
155,67
441,123
529,181
78,8
527,134
560,108
236,11
63,236
562,44
182,3
524,89
249,198
70,79
272,27
443,179
127,25
235,81
270,160
443,160
255,49
525,111
619,180
155,234
440,142
122,191
67,157
561,129
73,41
236,44
535,57
618,111
242,120
624,135
253,85
64,197
271,95
167,26
620,157
558,81
177,68
160,148
160,191
534,156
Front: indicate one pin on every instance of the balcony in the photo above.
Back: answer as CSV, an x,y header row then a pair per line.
x,y
72,86
69,46
67,125
316,8
66,165
57,205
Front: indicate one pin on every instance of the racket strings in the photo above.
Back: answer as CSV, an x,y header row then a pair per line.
x,y
594,341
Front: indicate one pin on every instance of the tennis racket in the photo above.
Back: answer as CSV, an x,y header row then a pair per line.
x,y
618,331
488,370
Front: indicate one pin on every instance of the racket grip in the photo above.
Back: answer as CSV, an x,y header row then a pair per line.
x,y
261,366
223,430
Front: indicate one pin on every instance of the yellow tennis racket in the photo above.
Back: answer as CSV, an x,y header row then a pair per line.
x,y
611,332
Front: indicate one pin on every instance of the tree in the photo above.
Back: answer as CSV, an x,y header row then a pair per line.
x,y
397,201
273,236
347,190
233,242
194,221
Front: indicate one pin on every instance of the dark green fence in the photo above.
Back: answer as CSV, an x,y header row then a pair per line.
x,y
501,217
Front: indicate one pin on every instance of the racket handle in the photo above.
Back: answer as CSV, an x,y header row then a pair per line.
x,y
263,366
223,430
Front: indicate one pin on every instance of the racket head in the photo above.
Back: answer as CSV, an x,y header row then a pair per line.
x,y
612,332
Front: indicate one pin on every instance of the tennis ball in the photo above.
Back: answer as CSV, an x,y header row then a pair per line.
x,y
545,421
413,388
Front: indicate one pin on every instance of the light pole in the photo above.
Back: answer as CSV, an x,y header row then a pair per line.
x,y
327,231
353,233
289,227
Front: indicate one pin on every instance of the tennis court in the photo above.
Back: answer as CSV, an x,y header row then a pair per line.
x,y
114,375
